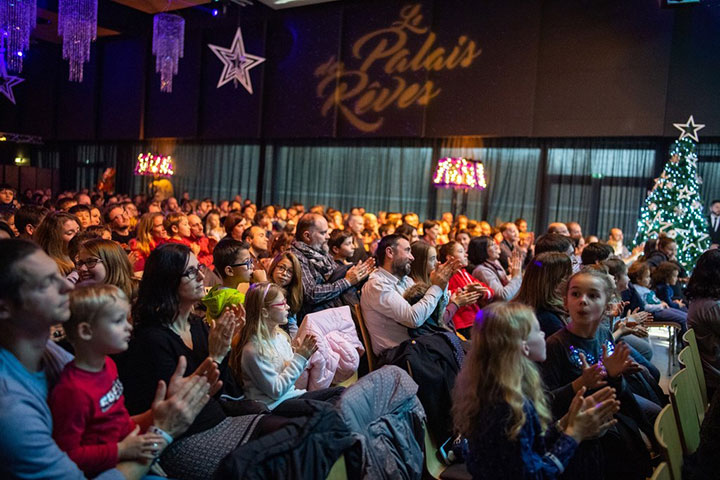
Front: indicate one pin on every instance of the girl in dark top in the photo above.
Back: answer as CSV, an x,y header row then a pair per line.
x,y
166,329
500,407
583,355
539,289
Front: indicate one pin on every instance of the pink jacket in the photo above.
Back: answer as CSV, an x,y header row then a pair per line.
x,y
339,348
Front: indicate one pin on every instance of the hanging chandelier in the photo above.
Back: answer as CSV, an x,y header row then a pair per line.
x,y
77,24
17,19
167,46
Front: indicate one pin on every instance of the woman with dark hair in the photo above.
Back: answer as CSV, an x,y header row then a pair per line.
x,y
53,235
484,264
166,329
703,293
409,232
539,289
234,225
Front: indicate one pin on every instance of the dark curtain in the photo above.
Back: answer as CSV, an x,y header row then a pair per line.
x,y
381,175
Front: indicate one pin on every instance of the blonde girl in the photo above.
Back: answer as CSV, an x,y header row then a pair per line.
x,y
263,361
499,404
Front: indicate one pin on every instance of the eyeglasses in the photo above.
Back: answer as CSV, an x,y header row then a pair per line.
x,y
281,269
191,273
123,214
279,304
89,263
247,264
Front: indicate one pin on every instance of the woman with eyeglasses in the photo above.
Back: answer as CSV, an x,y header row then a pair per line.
x,y
286,272
105,261
53,235
166,329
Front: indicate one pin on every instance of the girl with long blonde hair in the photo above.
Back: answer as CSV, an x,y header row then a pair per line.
x,y
499,403
263,361
53,235
150,234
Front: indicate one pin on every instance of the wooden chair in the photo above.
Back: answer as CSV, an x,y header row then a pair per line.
x,y
686,359
673,328
662,472
691,340
338,470
666,432
682,396
371,358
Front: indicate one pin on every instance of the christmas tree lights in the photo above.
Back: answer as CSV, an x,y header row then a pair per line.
x,y
673,206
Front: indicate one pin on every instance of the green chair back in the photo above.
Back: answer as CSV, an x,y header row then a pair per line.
x,y
691,340
338,470
434,466
371,358
683,398
688,361
666,432
662,472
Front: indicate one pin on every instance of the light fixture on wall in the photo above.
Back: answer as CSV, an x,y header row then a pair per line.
x,y
460,174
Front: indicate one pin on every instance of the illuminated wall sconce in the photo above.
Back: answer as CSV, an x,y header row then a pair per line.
x,y
22,161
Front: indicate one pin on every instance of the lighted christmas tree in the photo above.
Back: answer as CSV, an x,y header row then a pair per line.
x,y
673,206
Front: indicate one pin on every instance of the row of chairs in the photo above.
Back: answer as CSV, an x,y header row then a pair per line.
x,y
677,427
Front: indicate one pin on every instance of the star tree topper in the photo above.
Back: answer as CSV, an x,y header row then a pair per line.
x,y
7,81
689,129
236,63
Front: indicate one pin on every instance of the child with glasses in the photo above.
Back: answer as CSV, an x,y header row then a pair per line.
x,y
264,361
286,272
234,264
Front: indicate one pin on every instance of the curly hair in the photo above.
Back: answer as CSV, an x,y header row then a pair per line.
x,y
705,279
497,371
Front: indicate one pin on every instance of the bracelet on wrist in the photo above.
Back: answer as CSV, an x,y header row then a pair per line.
x,y
159,431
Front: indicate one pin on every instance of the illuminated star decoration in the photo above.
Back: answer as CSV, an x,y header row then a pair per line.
x,y
7,81
685,193
689,129
236,63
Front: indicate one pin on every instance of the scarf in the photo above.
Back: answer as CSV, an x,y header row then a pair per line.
x,y
320,261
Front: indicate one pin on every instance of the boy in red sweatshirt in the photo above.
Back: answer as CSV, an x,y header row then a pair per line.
x,y
91,423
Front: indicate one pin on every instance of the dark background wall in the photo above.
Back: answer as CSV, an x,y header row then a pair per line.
x,y
552,68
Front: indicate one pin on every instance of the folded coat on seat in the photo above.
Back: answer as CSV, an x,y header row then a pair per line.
x,y
339,348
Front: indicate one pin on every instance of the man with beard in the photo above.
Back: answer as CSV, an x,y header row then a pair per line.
x,y
386,313
322,277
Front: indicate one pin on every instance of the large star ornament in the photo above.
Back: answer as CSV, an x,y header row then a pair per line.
x,y
689,129
236,63
7,81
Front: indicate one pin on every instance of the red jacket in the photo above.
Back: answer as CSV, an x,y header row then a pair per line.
x,y
465,316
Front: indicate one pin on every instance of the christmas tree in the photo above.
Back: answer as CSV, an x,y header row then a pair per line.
x,y
673,206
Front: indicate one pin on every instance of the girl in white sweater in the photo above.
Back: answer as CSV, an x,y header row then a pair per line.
x,y
263,361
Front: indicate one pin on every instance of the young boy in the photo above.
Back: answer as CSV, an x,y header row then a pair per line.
x,y
91,423
665,277
234,264
342,246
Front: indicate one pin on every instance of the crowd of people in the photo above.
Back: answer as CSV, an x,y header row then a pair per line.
x,y
145,336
